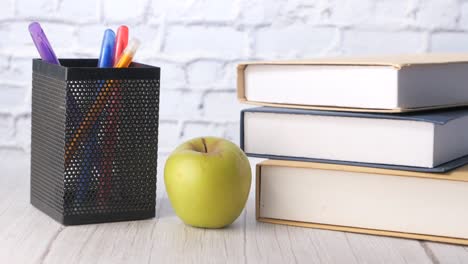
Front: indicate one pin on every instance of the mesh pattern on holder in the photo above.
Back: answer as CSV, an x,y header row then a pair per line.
x,y
105,146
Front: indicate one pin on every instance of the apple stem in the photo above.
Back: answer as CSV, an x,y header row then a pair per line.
x,y
204,145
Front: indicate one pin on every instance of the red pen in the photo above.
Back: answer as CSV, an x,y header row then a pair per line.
x,y
121,42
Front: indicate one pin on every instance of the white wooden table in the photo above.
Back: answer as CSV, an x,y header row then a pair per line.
x,y
29,236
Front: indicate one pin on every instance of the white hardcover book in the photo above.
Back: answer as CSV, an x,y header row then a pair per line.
x,y
386,84
430,206
417,140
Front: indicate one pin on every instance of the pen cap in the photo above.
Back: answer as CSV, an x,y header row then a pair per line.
x,y
132,47
107,50
127,55
121,42
42,43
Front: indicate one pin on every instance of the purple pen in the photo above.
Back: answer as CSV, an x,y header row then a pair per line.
x,y
42,44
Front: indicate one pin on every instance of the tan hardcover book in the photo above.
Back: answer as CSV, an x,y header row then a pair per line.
x,y
416,205
399,83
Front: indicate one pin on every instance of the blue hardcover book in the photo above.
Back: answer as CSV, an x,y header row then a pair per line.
x,y
431,141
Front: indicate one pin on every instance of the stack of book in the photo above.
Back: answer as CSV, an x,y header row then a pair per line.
x,y
367,145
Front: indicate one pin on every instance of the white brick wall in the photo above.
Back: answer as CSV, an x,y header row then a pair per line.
x,y
197,43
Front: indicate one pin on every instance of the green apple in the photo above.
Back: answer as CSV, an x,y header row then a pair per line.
x,y
208,181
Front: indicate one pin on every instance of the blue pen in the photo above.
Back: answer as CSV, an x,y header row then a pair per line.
x,y
106,60
107,50
91,163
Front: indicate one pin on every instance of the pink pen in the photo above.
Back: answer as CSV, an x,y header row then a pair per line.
x,y
121,42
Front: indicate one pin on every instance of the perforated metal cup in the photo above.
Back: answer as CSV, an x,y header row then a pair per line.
x,y
94,141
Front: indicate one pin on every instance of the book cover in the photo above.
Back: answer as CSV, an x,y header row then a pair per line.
x,y
434,214
388,84
283,140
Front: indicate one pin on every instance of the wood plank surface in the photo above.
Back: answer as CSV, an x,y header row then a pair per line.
x,y
29,236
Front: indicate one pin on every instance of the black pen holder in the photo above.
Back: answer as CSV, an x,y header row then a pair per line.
x,y
94,141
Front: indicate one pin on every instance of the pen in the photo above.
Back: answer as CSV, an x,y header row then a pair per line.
x,y
128,54
91,162
106,55
121,42
42,43
111,125
47,54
